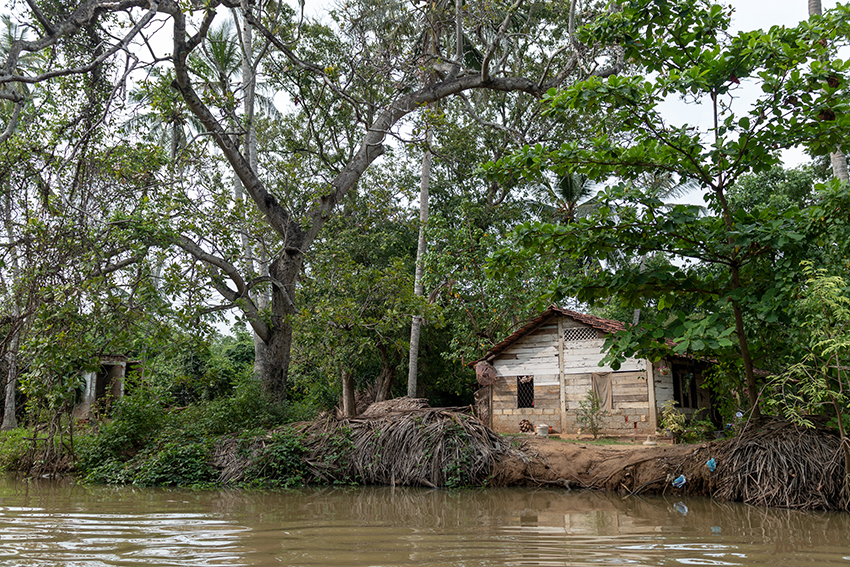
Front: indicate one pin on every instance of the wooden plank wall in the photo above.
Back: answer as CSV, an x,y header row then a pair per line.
x,y
585,356
629,397
535,353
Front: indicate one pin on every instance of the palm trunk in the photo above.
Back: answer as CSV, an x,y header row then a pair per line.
x,y
839,166
251,266
418,288
636,312
836,158
384,389
349,405
815,8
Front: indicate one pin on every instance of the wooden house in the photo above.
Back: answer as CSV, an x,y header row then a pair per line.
x,y
546,368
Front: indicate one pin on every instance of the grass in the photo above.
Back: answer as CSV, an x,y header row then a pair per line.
x,y
600,441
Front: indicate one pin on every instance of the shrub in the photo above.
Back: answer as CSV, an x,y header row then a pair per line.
x,y
280,462
590,414
137,419
13,448
697,430
672,419
248,408
176,463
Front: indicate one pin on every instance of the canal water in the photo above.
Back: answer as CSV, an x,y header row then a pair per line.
x,y
54,524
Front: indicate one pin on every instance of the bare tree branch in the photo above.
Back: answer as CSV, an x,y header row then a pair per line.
x,y
240,295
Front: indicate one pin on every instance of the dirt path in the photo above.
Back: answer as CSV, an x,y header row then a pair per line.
x,y
629,468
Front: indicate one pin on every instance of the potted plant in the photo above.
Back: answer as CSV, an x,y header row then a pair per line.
x,y
664,370
672,420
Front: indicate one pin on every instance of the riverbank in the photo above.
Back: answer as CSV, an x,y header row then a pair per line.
x,y
770,463
632,468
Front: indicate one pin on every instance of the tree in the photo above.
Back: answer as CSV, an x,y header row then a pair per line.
x,y
358,288
733,264
819,378
373,90
837,157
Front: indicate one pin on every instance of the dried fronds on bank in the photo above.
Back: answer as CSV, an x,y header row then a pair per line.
x,y
404,404
232,457
781,464
424,447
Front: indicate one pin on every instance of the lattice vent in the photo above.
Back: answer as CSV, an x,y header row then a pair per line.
x,y
580,334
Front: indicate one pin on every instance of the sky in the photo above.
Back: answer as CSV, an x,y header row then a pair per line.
x,y
750,15
753,14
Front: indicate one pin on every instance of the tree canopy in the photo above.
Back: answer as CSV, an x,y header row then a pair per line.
x,y
736,266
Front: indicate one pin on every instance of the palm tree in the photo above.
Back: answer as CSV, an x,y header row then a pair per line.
x,y
572,196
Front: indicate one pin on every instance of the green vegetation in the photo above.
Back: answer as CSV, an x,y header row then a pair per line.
x,y
248,185
672,419
590,415
726,276
14,446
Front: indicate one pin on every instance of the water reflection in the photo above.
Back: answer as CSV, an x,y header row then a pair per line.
x,y
52,524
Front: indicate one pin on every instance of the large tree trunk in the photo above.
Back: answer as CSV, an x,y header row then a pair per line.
x,y
285,271
10,420
276,369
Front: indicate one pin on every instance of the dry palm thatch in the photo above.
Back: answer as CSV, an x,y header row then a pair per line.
x,y
434,447
425,447
781,464
403,404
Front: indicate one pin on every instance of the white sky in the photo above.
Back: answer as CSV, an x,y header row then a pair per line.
x,y
750,15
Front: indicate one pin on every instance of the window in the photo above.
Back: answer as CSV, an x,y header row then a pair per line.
x,y
525,391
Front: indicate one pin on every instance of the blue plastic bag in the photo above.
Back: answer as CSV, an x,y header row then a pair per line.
x,y
711,464
680,481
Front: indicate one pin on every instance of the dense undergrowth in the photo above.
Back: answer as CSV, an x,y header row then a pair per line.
x,y
245,440
148,443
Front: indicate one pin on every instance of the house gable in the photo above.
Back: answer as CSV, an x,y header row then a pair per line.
x,y
533,349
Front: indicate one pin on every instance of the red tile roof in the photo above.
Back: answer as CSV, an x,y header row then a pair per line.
x,y
604,325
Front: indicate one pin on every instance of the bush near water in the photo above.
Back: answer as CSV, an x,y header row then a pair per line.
x,y
148,445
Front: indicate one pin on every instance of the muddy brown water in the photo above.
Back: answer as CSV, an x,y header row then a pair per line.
x,y
57,524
